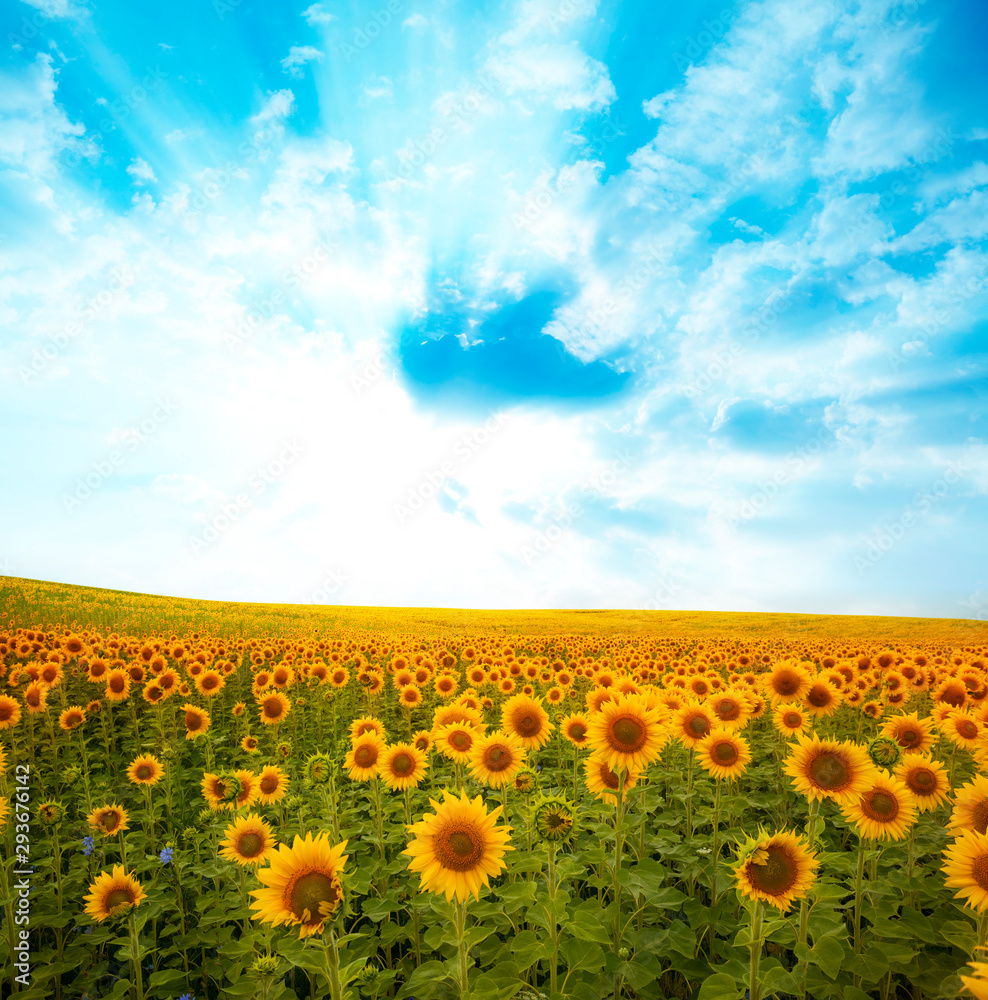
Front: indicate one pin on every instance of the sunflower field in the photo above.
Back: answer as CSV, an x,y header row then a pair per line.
x,y
222,807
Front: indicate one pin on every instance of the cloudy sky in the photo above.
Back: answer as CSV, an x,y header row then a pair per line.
x,y
552,303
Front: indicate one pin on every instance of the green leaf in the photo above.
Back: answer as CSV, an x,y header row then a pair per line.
x,y
163,976
720,986
526,949
422,982
960,934
586,927
779,980
828,954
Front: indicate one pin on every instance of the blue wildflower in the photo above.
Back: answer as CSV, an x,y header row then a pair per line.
x,y
187,996
166,855
87,846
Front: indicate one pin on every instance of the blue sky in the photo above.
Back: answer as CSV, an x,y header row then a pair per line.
x,y
555,303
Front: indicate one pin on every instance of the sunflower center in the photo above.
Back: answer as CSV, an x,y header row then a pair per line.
x,y
628,734
459,847
967,729
365,756
193,721
460,741
402,764
497,758
777,876
793,719
578,731
979,817
310,892
880,806
979,870
109,822
118,897
608,777
272,708
725,753
5,712
144,772
829,771
269,785
33,699
907,736
819,697
250,845
728,709
698,726
786,683
527,724
922,781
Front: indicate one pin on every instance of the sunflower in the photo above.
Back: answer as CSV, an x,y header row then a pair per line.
x,y
446,714
788,681
301,884
574,728
970,807
731,709
965,863
422,740
118,685
36,697
113,893
248,840
209,683
691,723
249,744
832,769
626,733
410,696
497,758
913,734
363,761
926,778
402,766
218,790
456,740
109,820
554,818
602,781
73,717
145,770
789,719
962,728
153,692
272,785
4,810
723,753
457,848
196,721
777,870
885,810
249,788
523,716
822,698
273,707
367,724
10,712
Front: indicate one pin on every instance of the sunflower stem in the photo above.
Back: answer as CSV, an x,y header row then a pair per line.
x,y
554,961
333,965
858,880
135,958
755,953
689,796
461,944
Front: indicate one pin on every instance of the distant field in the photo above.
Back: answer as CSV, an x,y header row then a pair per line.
x,y
32,601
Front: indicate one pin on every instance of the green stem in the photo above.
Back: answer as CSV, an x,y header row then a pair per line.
x,y
333,966
135,959
554,961
858,881
755,954
461,945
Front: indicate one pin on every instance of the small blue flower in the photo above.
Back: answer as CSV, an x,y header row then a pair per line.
x,y
187,996
87,846
166,855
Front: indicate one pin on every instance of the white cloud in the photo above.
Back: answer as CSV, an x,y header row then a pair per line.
x,y
141,171
377,87
298,56
415,20
561,75
317,14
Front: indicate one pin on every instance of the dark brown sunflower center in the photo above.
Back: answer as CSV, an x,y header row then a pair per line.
x,y
725,753
209,682
497,758
979,870
967,729
777,876
33,699
527,724
829,771
310,892
144,772
609,778
193,721
786,683
979,817
880,806
698,726
365,756
922,781
628,734
819,696
119,897
272,708
6,711
109,822
907,737
250,845
459,848
793,719
402,764
269,785
578,731
460,741
728,709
